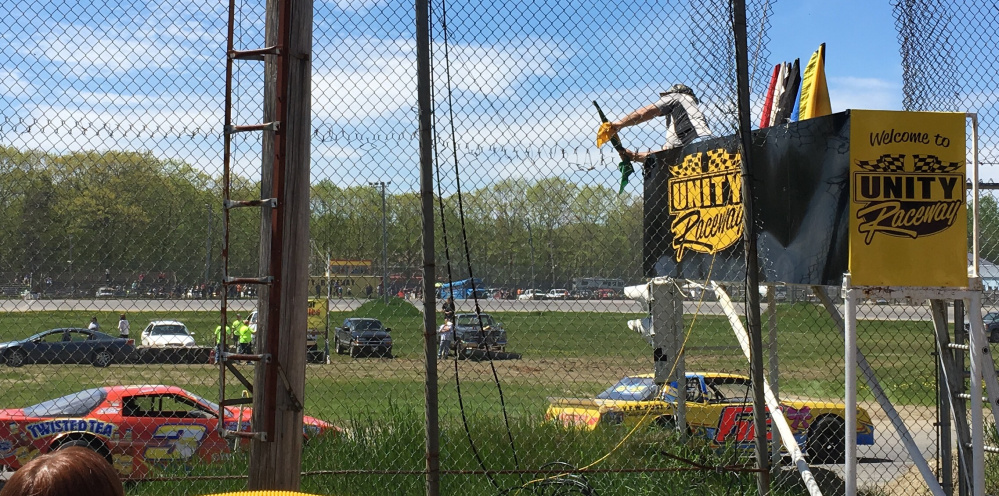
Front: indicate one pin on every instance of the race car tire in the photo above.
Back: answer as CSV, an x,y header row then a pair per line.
x,y
826,442
102,358
667,423
93,445
15,358
355,351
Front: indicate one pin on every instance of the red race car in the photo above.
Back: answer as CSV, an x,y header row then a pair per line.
x,y
137,428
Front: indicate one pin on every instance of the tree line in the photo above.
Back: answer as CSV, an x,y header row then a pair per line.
x,y
82,217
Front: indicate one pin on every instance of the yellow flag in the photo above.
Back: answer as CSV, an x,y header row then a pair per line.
x,y
603,134
814,91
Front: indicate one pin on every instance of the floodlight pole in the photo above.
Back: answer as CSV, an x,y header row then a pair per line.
x,y
749,241
208,250
425,105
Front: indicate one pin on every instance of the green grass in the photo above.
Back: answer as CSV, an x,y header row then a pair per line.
x,y
563,354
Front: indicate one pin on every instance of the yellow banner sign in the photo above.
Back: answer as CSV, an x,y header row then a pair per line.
x,y
908,216
317,313
705,202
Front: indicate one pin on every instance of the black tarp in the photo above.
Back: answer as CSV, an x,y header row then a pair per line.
x,y
801,192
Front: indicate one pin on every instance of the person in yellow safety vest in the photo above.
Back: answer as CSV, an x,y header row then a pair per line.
x,y
245,340
218,342
236,324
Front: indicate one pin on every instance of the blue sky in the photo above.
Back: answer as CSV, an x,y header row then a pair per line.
x,y
523,75
863,64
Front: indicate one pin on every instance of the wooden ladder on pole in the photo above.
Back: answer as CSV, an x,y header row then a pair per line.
x,y
268,206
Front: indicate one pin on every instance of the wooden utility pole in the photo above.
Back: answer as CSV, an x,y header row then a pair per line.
x,y
278,395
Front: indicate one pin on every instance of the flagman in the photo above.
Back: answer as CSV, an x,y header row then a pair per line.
x,y
684,121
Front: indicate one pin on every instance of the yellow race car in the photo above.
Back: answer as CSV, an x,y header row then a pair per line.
x,y
719,409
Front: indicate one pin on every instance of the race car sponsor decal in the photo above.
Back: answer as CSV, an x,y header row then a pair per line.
x,y
25,454
53,427
736,423
175,441
124,464
799,419
577,419
6,448
238,426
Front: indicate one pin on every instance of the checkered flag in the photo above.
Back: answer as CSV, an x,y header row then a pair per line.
x,y
932,164
884,163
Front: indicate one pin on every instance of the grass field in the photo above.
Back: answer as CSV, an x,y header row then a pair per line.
x,y
562,354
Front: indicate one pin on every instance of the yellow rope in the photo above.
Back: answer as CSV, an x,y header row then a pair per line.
x,y
648,410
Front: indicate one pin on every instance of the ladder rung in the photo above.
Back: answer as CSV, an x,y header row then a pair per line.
x,y
257,54
249,280
966,396
259,436
267,126
236,401
247,357
987,448
270,202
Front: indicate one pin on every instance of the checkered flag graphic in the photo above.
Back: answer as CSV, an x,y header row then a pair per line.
x,y
719,160
885,163
932,164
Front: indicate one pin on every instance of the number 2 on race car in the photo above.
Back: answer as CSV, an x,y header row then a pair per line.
x,y
175,442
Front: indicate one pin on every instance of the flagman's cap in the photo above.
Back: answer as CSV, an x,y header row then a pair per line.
x,y
679,88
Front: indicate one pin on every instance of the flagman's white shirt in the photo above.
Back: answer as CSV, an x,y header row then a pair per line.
x,y
684,120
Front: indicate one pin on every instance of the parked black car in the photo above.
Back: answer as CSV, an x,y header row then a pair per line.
x,y
991,321
361,335
468,334
67,345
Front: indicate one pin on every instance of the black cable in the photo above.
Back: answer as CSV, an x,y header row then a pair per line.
x,y
447,250
568,481
464,237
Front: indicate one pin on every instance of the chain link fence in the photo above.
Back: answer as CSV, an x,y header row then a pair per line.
x,y
110,195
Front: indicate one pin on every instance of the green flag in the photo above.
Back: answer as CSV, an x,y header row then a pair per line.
x,y
626,171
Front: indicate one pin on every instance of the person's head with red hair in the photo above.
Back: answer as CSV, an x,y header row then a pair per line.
x,y
74,470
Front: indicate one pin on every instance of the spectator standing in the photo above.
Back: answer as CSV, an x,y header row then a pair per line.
x,y
218,342
94,326
123,327
73,470
448,309
446,333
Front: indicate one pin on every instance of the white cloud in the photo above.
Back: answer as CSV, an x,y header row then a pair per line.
x,y
357,5
13,84
87,51
383,81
